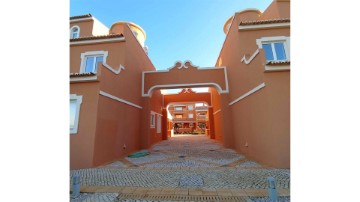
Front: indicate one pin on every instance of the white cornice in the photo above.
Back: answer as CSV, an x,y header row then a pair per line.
x,y
119,99
84,79
82,19
271,68
97,41
264,26
248,93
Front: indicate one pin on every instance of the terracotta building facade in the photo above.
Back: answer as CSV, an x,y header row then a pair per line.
x,y
116,106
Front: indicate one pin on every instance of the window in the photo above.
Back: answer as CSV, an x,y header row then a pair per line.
x,y
75,102
190,107
178,108
152,120
277,52
274,51
191,116
178,116
90,60
74,32
276,48
158,128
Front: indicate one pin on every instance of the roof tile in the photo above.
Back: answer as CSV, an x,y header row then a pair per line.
x,y
82,74
97,37
258,22
80,16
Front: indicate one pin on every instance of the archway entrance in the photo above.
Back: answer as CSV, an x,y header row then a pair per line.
x,y
185,75
188,112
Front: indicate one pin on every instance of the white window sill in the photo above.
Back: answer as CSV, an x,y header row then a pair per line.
x,y
277,68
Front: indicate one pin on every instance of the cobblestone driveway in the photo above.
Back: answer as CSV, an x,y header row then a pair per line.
x,y
178,159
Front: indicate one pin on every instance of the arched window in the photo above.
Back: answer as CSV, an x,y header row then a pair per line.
x,y
74,32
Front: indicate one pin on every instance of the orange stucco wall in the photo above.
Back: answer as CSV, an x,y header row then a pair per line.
x,y
216,103
113,123
257,126
277,9
261,121
82,143
86,27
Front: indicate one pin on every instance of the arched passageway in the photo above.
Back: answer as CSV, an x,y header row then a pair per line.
x,y
185,75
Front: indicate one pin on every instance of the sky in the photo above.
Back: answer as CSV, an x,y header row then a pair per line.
x,y
176,30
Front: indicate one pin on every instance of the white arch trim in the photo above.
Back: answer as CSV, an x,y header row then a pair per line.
x,y
71,31
183,66
217,86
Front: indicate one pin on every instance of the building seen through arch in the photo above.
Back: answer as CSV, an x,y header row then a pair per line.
x,y
117,108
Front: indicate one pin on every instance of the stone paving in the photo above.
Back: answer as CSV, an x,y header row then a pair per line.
x,y
186,164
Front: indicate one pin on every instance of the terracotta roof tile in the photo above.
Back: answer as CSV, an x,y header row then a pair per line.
x,y
258,22
285,62
97,37
80,16
82,74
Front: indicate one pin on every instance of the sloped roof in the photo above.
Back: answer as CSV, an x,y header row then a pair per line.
x,y
259,22
97,37
80,16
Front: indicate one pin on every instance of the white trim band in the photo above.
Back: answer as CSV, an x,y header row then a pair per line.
x,y
119,99
97,41
156,113
248,93
264,26
243,59
217,111
81,19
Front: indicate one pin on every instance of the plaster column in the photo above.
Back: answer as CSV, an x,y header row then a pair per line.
x,y
211,123
164,125
145,124
227,130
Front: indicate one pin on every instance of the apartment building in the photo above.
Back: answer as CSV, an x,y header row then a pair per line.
x,y
116,106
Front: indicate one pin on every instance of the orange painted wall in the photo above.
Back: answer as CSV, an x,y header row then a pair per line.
x,y
82,143
119,123
156,106
277,9
217,117
261,120
86,27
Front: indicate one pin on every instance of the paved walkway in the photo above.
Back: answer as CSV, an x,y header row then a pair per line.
x,y
183,168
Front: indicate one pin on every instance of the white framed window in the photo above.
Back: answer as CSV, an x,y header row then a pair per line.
x,y
191,116
178,108
275,48
75,103
158,127
74,32
277,52
152,120
91,59
190,107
